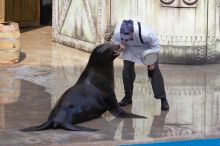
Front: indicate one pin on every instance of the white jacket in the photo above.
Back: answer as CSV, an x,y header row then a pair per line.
x,y
135,48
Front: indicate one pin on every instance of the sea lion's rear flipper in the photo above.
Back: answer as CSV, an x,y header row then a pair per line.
x,y
44,126
119,113
70,127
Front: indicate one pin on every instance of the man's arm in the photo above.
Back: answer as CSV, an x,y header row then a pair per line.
x,y
153,42
150,38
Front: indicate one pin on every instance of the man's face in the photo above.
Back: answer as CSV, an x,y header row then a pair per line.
x,y
125,38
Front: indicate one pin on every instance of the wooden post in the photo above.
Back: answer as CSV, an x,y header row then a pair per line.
x,y
2,118
2,11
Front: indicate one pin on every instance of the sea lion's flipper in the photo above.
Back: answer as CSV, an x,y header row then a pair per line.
x,y
135,116
114,108
44,126
70,127
119,113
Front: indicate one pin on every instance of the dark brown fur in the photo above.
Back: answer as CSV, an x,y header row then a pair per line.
x,y
91,96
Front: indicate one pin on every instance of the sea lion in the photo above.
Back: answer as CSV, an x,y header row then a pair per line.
x,y
91,96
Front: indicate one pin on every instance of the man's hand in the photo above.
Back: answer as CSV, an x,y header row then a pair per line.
x,y
151,67
122,47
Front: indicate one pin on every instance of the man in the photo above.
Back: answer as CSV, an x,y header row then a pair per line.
x,y
134,39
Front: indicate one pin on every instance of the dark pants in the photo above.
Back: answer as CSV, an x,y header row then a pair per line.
x,y
157,83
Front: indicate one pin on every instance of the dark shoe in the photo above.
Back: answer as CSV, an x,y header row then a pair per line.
x,y
164,105
125,101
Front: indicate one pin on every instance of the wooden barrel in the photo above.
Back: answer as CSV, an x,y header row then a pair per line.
x,y
10,46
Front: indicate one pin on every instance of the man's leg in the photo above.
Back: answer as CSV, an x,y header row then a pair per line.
x,y
128,75
158,86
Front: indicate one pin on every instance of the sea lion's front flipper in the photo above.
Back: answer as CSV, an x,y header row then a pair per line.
x,y
44,126
119,113
70,127
113,107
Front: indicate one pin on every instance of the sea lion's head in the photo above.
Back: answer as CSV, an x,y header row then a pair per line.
x,y
105,53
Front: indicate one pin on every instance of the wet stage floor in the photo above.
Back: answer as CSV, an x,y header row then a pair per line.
x,y
29,89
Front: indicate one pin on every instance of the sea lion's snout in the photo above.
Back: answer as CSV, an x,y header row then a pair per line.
x,y
119,48
117,51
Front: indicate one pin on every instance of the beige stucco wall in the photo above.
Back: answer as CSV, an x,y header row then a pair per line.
x,y
189,34
2,10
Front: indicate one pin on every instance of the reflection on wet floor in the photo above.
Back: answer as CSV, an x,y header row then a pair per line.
x,y
31,88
